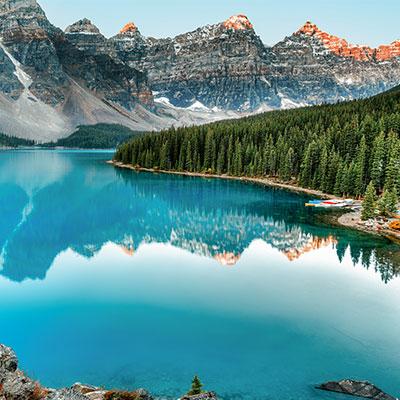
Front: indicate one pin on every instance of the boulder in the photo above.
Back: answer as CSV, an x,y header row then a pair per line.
x,y
201,396
356,388
8,360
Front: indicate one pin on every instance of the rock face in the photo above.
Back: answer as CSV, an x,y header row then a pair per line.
x,y
356,388
48,86
342,48
226,66
215,66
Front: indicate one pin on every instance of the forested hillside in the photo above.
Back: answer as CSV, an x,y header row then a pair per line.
x,y
334,148
100,136
11,141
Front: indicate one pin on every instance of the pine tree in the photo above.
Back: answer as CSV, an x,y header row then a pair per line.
x,y
338,182
387,204
196,386
164,156
392,181
323,170
359,169
286,171
306,173
378,161
368,206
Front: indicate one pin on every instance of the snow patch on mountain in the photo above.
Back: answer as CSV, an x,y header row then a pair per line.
x,y
22,76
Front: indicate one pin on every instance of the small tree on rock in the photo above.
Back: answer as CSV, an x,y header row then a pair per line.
x,y
368,206
196,386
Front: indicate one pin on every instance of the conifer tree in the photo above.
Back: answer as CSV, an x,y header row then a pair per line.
x,y
378,162
286,172
359,168
368,206
387,204
196,386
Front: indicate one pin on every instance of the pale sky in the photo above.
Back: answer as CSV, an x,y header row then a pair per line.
x,y
370,22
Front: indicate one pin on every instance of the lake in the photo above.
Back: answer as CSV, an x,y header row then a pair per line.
x,y
126,280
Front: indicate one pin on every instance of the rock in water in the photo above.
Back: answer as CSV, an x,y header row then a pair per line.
x,y
356,388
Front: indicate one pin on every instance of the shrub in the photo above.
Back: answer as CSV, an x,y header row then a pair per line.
x,y
118,395
39,393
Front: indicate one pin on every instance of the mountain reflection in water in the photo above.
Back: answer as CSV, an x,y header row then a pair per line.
x,y
53,201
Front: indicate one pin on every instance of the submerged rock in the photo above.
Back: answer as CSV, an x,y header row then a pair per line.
x,y
356,388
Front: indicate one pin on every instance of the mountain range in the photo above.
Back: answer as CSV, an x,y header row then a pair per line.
x,y
51,81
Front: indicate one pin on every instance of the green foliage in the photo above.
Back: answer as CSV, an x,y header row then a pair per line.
x,y
334,148
387,204
100,136
196,386
369,203
11,141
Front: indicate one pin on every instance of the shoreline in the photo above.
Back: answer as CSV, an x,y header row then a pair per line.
x,y
15,384
349,220
261,181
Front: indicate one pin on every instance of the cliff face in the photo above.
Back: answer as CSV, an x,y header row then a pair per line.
x,y
226,66
26,33
216,65
48,85
312,67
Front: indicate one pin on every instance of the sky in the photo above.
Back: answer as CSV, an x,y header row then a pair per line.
x,y
369,22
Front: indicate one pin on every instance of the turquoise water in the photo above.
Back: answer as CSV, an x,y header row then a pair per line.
x,y
126,279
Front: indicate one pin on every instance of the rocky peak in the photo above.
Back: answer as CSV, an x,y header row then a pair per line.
x,y
83,26
238,23
22,15
387,52
129,28
8,5
342,48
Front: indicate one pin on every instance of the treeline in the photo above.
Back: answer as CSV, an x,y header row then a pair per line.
x,y
100,136
337,149
12,141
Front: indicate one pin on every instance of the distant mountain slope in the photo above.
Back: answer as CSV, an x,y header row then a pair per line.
x,y
333,148
100,136
53,81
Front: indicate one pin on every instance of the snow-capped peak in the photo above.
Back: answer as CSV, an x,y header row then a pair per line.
x,y
238,23
83,26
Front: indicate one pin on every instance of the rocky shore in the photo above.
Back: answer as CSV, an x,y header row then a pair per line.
x,y
16,385
376,227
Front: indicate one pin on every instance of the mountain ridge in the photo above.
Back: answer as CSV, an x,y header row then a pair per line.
x,y
52,81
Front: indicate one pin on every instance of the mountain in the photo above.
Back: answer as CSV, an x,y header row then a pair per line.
x,y
227,66
48,86
53,81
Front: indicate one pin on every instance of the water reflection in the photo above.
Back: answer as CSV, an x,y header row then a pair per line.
x,y
53,201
